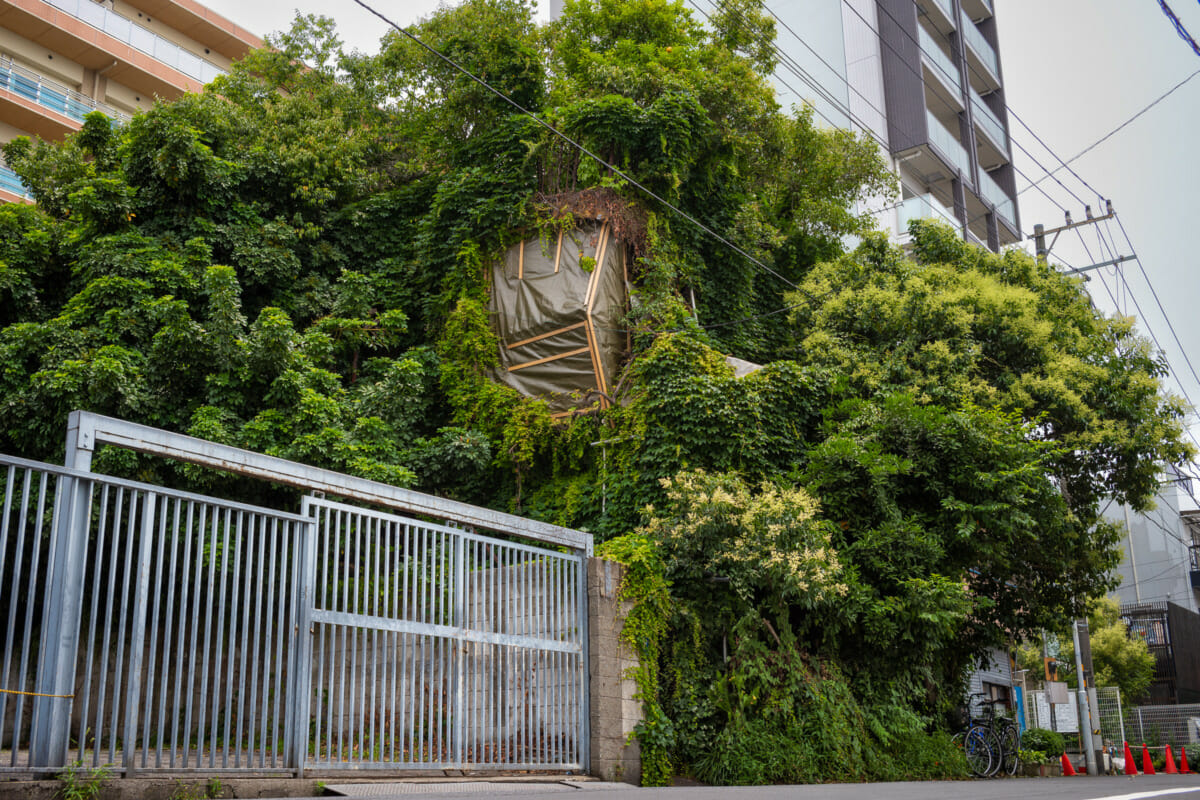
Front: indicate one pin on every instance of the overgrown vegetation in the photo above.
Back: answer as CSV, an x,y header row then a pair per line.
x,y
295,261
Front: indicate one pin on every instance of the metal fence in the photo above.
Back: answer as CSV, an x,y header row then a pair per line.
x,y
183,607
1159,725
1065,716
155,630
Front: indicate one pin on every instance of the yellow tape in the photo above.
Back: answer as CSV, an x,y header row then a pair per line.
x,y
33,694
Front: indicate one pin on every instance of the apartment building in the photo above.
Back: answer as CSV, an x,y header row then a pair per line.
x,y
62,59
923,77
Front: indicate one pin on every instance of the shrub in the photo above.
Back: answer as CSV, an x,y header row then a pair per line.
x,y
1049,742
919,756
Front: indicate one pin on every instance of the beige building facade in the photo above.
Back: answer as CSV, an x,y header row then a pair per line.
x,y
62,59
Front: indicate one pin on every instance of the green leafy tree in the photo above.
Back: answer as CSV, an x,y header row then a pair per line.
x,y
1118,658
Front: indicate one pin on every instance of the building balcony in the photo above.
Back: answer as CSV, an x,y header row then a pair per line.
x,y
940,157
98,39
982,61
939,13
200,24
923,206
40,106
142,39
942,80
993,143
991,192
11,188
947,145
978,9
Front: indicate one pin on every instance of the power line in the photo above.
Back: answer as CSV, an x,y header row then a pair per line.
x,y
1162,310
1183,34
1049,150
1113,132
615,170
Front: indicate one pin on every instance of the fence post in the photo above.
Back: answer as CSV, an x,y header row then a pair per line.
x,y
300,672
50,730
1141,733
460,579
1120,715
138,632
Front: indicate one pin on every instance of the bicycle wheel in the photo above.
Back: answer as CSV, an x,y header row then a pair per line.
x,y
1010,748
978,751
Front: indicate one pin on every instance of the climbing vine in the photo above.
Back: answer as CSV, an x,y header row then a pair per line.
x,y
645,588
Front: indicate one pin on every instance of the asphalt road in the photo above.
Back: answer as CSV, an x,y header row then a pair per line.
x,y
1172,787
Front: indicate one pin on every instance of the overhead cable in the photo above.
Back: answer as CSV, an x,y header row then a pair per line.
x,y
1113,132
1183,34
614,169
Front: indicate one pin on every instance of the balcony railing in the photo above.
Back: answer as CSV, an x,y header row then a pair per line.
x,y
989,121
946,7
924,206
947,143
975,40
51,95
939,59
11,183
990,191
139,38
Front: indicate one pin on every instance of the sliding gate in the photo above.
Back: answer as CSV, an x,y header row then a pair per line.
x,y
434,647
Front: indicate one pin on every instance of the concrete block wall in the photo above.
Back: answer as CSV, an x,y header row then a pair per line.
x,y
614,712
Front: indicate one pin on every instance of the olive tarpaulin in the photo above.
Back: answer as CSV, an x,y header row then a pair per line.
x,y
558,307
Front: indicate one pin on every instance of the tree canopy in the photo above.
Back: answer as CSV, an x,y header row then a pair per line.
x,y
296,260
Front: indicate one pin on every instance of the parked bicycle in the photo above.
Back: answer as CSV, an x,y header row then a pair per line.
x,y
991,742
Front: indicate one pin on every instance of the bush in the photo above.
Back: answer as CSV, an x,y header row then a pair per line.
x,y
755,754
919,756
1051,743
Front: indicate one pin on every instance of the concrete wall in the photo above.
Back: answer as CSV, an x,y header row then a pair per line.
x,y
614,712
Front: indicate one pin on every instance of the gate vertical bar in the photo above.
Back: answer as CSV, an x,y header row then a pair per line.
x,y
300,677
138,634
459,621
56,673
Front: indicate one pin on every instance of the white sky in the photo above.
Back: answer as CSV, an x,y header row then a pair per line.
x,y
1073,70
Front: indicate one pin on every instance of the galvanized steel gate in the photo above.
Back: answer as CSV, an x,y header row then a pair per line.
x,y
156,630
437,647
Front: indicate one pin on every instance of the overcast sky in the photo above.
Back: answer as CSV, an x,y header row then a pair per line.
x,y
1074,70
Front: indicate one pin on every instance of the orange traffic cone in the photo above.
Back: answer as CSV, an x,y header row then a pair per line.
x,y
1130,766
1068,770
1183,767
1169,766
1147,764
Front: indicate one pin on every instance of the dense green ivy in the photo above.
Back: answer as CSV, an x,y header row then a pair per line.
x,y
297,260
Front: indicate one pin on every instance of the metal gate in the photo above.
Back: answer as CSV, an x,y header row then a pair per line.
x,y
148,629
435,647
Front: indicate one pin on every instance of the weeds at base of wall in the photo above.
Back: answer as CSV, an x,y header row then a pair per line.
x,y
79,783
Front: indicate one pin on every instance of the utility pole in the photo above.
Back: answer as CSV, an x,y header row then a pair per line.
x,y
1083,707
1043,251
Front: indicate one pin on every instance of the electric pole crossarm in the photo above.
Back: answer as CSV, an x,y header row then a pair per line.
x,y
1110,263
1039,230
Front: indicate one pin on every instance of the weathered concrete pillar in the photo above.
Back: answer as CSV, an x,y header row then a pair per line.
x,y
614,711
